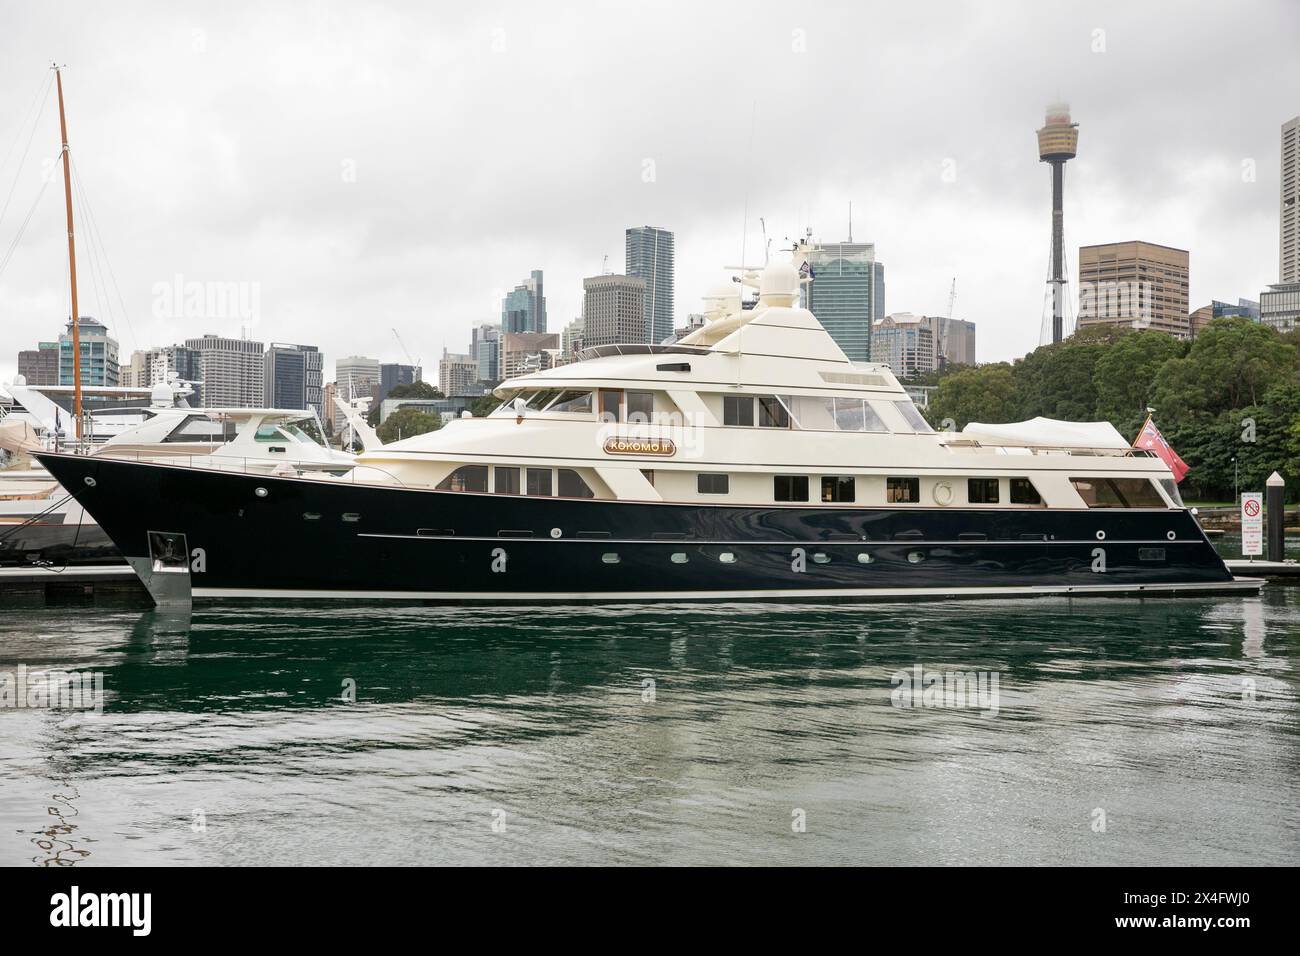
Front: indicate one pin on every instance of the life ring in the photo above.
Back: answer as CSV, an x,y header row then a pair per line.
x,y
942,493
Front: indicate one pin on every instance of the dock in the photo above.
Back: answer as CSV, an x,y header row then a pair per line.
x,y
114,584
1243,568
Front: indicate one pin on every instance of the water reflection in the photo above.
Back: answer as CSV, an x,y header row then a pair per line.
x,y
661,734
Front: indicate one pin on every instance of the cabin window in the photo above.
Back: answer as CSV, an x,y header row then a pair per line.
x,y
790,487
837,488
821,557
540,400
771,413
640,406
506,480
902,490
571,485
727,557
1118,492
913,417
572,401
466,478
982,491
610,557
679,557
202,428
713,484
649,475
1023,492
611,403
737,410
1151,554
539,482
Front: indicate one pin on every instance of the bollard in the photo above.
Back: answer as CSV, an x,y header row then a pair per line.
x,y
1273,505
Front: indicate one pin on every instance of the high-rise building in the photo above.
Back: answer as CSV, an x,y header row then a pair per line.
x,y
650,256
485,345
906,343
356,377
613,310
40,366
1289,226
457,373
1206,314
328,410
234,374
1058,142
393,374
148,367
847,293
524,307
1279,306
98,354
528,352
1139,284
294,377
571,339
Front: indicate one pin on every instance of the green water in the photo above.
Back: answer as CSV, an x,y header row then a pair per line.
x,y
732,734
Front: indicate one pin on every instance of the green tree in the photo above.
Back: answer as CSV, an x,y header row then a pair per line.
x,y
1231,365
407,422
985,393
483,405
421,390
1125,373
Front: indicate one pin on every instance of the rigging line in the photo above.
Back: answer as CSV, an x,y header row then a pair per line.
x,y
26,149
42,96
94,225
13,246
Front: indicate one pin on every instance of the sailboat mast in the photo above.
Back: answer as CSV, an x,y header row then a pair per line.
x,y
72,259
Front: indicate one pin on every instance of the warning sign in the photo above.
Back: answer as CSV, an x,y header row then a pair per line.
x,y
1252,524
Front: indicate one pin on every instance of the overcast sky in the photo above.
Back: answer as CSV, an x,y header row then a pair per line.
x,y
367,166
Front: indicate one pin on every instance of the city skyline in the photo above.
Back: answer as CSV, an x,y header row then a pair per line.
x,y
344,228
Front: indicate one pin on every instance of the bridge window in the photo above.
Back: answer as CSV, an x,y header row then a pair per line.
x,y
913,417
506,480
571,485
1118,492
737,410
1023,492
466,478
771,413
640,406
539,482
571,401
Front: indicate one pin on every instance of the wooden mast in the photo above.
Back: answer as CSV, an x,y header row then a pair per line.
x,y
72,260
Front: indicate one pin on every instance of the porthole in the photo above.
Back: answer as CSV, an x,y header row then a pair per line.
x,y
351,516
311,516
1101,535
915,557
727,557
679,557
864,558
1170,535
260,492
556,532
821,558
609,557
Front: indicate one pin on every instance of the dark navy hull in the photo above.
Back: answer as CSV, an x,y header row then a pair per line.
x,y
303,537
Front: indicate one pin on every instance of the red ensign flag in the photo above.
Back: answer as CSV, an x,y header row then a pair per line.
x,y
1151,439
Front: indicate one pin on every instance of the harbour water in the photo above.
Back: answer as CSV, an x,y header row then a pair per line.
x,y
1106,731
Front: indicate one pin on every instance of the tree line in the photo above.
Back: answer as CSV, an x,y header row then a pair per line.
x,y
1228,401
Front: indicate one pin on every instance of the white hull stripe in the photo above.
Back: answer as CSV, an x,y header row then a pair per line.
x,y
1247,585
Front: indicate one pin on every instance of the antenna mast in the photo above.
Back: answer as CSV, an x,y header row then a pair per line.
x,y
72,258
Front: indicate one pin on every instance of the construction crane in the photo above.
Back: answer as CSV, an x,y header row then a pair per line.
x,y
416,362
952,296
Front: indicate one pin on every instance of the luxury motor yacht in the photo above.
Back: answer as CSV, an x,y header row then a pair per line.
x,y
750,461
40,523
